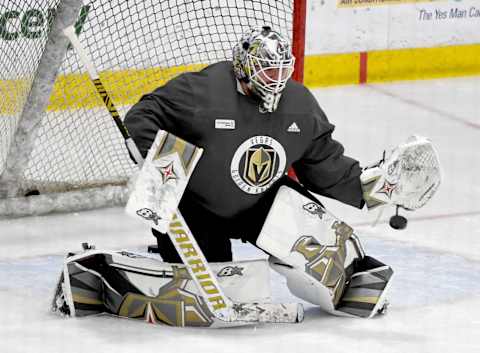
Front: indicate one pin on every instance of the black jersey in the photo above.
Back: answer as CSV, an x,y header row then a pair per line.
x,y
246,151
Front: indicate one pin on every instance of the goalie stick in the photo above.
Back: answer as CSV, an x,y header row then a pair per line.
x,y
107,100
220,305
154,200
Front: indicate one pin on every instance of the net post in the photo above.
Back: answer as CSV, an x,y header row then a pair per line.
x,y
298,48
298,41
37,100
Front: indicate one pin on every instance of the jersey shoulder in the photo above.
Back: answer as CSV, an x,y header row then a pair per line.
x,y
297,100
219,75
299,97
212,75
202,89
214,87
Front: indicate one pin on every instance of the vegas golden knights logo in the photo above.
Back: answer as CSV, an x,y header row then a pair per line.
x,y
259,165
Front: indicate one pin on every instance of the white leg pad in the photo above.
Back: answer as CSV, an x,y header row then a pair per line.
x,y
312,249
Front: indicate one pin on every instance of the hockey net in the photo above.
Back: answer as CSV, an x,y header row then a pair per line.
x,y
21,46
136,46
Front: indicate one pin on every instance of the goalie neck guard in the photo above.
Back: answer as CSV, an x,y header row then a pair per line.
x,y
263,60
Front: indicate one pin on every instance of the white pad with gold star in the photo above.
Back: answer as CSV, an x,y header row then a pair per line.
x,y
162,180
141,287
322,258
409,177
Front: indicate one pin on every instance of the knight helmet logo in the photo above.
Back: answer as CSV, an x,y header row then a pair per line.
x,y
259,166
257,163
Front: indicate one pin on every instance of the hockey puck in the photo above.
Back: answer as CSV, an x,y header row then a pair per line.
x,y
32,193
398,222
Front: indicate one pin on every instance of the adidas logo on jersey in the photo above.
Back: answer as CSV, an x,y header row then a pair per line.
x,y
293,128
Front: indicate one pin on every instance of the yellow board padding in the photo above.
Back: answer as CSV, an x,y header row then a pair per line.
x,y
423,63
13,94
331,69
125,87
74,91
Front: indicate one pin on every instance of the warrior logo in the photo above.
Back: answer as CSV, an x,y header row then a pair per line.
x,y
131,255
230,271
257,163
149,215
314,209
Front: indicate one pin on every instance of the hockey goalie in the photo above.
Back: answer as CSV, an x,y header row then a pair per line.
x,y
218,144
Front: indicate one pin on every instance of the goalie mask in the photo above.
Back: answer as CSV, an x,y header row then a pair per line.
x,y
263,60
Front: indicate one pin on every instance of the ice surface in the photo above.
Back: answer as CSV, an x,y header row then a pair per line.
x,y
435,297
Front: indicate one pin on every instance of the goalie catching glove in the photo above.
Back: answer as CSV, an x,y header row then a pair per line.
x,y
409,177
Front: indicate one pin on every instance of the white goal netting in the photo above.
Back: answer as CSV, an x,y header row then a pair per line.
x,y
136,46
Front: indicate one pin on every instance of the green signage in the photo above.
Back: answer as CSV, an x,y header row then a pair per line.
x,y
33,23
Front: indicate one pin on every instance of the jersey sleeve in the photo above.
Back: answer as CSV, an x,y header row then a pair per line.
x,y
325,170
170,108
